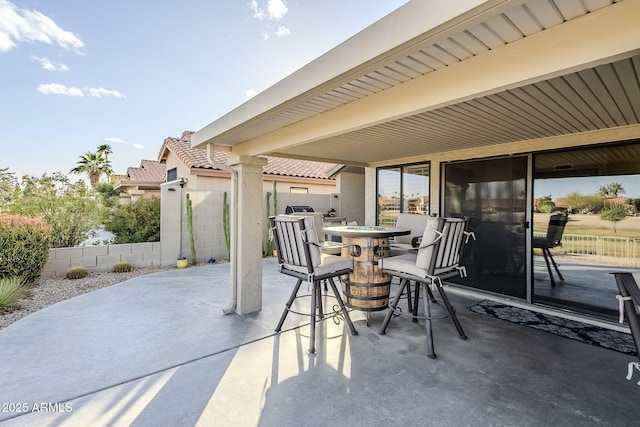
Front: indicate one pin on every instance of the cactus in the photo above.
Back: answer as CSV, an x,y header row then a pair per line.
x,y
267,245
225,222
275,197
122,267
77,272
268,248
192,244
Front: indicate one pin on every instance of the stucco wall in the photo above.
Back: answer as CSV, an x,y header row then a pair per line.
x,y
351,196
207,224
207,219
284,183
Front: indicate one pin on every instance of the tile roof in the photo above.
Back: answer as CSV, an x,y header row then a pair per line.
x,y
149,171
197,158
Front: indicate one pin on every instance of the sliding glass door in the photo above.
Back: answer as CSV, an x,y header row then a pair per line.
x,y
492,193
598,190
402,189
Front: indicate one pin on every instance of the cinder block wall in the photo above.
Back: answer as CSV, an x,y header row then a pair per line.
x,y
101,258
208,233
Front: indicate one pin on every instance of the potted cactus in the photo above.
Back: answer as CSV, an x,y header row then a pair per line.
x,y
182,261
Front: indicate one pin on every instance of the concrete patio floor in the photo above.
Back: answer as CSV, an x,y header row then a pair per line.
x,y
158,351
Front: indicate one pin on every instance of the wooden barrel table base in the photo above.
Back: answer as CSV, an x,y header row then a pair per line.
x,y
367,287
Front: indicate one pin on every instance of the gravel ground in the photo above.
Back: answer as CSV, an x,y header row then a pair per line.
x,y
50,290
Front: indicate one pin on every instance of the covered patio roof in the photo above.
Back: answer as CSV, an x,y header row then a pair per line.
x,y
434,77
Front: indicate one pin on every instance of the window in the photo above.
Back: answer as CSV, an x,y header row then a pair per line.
x,y
298,190
402,189
172,174
585,183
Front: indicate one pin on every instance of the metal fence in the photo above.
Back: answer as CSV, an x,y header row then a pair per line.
x,y
605,246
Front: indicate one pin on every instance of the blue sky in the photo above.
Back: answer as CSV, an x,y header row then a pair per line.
x,y
78,74
561,187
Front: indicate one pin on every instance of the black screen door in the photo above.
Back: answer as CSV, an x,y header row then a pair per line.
x,y
492,193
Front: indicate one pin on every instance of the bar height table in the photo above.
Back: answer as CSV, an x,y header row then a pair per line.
x,y
367,287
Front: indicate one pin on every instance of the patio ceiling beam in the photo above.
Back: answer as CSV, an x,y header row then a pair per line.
x,y
560,50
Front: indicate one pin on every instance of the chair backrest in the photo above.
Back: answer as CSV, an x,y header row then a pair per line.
x,y
415,222
296,241
318,223
442,244
555,229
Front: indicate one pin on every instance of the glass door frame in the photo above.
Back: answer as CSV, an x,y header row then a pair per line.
x,y
527,222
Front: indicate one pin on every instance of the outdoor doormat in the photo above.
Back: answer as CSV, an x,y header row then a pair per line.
x,y
590,334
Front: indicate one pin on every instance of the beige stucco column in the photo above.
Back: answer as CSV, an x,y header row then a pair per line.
x,y
249,228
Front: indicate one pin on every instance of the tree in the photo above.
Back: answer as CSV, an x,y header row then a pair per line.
x,y
8,186
136,222
635,203
584,204
612,189
615,188
614,214
94,165
545,204
69,208
105,149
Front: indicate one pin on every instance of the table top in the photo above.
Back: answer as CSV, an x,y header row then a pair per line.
x,y
366,231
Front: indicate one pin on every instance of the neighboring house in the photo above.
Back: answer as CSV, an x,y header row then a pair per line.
x,y
141,182
181,161
298,182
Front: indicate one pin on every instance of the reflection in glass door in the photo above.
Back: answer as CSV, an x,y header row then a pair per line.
x,y
599,190
402,189
493,194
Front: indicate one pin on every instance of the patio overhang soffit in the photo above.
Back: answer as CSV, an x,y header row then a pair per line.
x,y
435,77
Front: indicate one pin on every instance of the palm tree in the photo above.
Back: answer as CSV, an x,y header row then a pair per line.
x,y
615,188
93,164
611,190
106,150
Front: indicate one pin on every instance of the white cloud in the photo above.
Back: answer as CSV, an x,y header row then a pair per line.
x,y
250,93
50,66
22,25
100,92
115,139
276,9
283,31
57,89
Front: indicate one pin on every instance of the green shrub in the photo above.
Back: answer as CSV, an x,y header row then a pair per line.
x,y
11,290
77,272
72,210
122,267
137,222
24,246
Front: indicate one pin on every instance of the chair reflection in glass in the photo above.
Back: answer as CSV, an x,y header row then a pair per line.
x,y
439,257
299,256
553,239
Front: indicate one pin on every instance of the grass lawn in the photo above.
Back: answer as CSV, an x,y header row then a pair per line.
x,y
592,225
